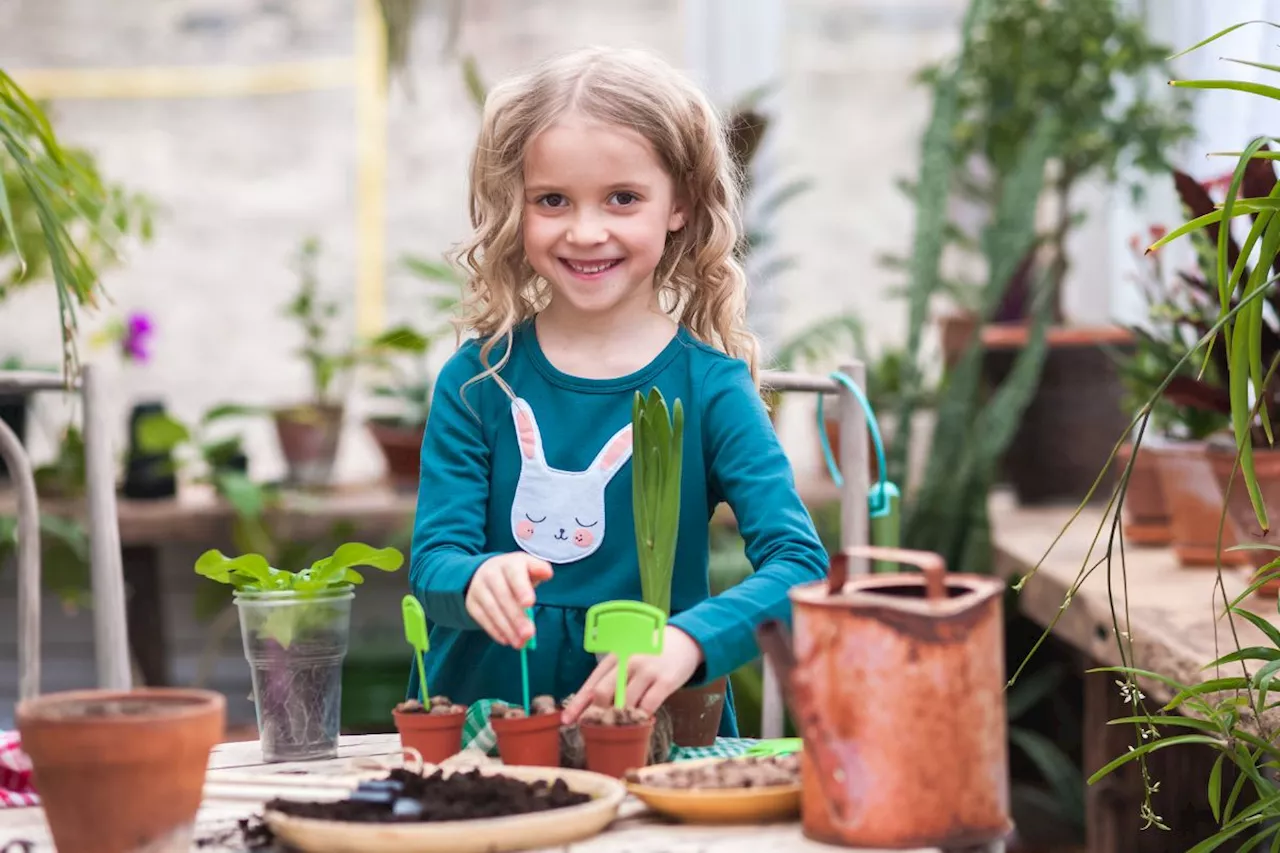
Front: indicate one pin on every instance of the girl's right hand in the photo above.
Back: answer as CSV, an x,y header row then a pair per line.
x,y
499,592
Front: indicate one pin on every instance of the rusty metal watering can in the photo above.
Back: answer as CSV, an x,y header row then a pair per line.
x,y
896,682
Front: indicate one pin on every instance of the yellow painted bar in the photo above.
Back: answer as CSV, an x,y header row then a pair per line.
x,y
371,165
180,82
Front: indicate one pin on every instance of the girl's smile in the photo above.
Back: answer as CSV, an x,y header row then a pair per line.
x,y
591,270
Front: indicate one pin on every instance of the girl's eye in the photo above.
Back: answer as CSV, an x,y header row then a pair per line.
x,y
625,198
535,520
582,523
553,200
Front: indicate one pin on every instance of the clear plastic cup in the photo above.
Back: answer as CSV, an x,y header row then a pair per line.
x,y
295,643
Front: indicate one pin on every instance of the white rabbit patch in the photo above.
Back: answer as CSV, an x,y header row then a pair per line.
x,y
557,515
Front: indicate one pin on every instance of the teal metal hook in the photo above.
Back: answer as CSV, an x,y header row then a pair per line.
x,y
883,497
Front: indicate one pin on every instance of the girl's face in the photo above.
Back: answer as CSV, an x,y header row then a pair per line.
x,y
597,209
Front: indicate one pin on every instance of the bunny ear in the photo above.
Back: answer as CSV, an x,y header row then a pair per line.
x,y
527,431
615,453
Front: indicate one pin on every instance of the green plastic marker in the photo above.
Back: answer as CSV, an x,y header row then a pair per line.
x,y
777,746
624,629
531,643
415,631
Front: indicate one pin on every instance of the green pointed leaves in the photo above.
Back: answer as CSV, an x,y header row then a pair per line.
x,y
252,572
657,456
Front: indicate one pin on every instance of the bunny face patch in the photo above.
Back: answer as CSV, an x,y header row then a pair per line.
x,y
558,516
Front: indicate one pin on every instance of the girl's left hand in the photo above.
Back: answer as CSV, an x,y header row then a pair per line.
x,y
650,678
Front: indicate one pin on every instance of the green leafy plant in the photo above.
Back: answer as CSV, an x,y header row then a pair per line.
x,y
250,573
657,436
411,388
327,363
1077,56
57,216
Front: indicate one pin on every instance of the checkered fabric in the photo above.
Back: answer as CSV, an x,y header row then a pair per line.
x,y
15,773
478,734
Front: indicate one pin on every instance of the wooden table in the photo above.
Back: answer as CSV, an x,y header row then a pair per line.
x,y
637,830
1172,619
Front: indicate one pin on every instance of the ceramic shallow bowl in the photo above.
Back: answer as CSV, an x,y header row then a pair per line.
x,y
493,835
717,805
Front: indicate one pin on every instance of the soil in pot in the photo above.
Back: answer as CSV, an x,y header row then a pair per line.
x,y
309,441
121,771
434,730
529,739
401,447
695,713
1194,500
406,797
1266,464
1146,516
616,739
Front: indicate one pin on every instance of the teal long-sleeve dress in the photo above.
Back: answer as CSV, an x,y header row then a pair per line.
x,y
550,473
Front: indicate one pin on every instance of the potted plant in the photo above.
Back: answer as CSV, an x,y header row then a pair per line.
x,y
309,431
1171,495
295,627
399,433
1076,55
529,739
657,436
121,770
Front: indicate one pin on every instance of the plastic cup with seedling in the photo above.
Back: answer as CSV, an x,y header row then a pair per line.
x,y
624,629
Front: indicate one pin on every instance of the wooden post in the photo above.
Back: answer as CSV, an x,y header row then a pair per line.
x,y
111,638
19,464
854,519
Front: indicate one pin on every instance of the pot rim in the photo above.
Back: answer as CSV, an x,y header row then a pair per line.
x,y
187,703
860,592
342,592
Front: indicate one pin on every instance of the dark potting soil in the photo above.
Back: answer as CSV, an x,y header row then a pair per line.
x,y
299,695
249,833
405,797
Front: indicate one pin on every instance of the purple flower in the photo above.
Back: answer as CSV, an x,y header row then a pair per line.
x,y
138,331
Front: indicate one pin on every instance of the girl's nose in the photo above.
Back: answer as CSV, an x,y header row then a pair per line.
x,y
587,230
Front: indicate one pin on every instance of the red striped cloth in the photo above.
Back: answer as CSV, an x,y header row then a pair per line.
x,y
15,773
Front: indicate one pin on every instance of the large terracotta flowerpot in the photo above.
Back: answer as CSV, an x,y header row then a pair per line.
x,y
1194,499
121,771
401,447
696,712
1266,465
309,441
1146,515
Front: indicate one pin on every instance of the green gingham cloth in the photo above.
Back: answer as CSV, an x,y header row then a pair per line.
x,y
478,734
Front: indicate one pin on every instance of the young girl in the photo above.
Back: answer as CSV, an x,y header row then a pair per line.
x,y
605,209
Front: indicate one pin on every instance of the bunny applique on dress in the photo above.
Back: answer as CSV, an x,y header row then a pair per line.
x,y
559,516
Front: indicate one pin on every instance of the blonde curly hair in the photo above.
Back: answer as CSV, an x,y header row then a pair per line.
x,y
700,281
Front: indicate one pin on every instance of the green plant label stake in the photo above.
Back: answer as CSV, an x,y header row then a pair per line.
x,y
415,631
624,629
530,644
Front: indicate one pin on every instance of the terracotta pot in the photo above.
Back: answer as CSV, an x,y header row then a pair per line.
x,y
613,750
121,771
957,330
309,441
401,447
831,420
1266,465
695,713
1146,517
435,736
532,741
1194,500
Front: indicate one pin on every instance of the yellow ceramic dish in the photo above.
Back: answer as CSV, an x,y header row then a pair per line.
x,y
766,804
554,828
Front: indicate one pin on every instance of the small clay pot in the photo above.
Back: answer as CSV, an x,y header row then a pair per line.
x,y
435,736
1266,464
1146,515
532,741
309,437
1194,500
121,771
613,750
401,447
696,712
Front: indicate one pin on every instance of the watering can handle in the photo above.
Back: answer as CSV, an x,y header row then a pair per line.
x,y
933,566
